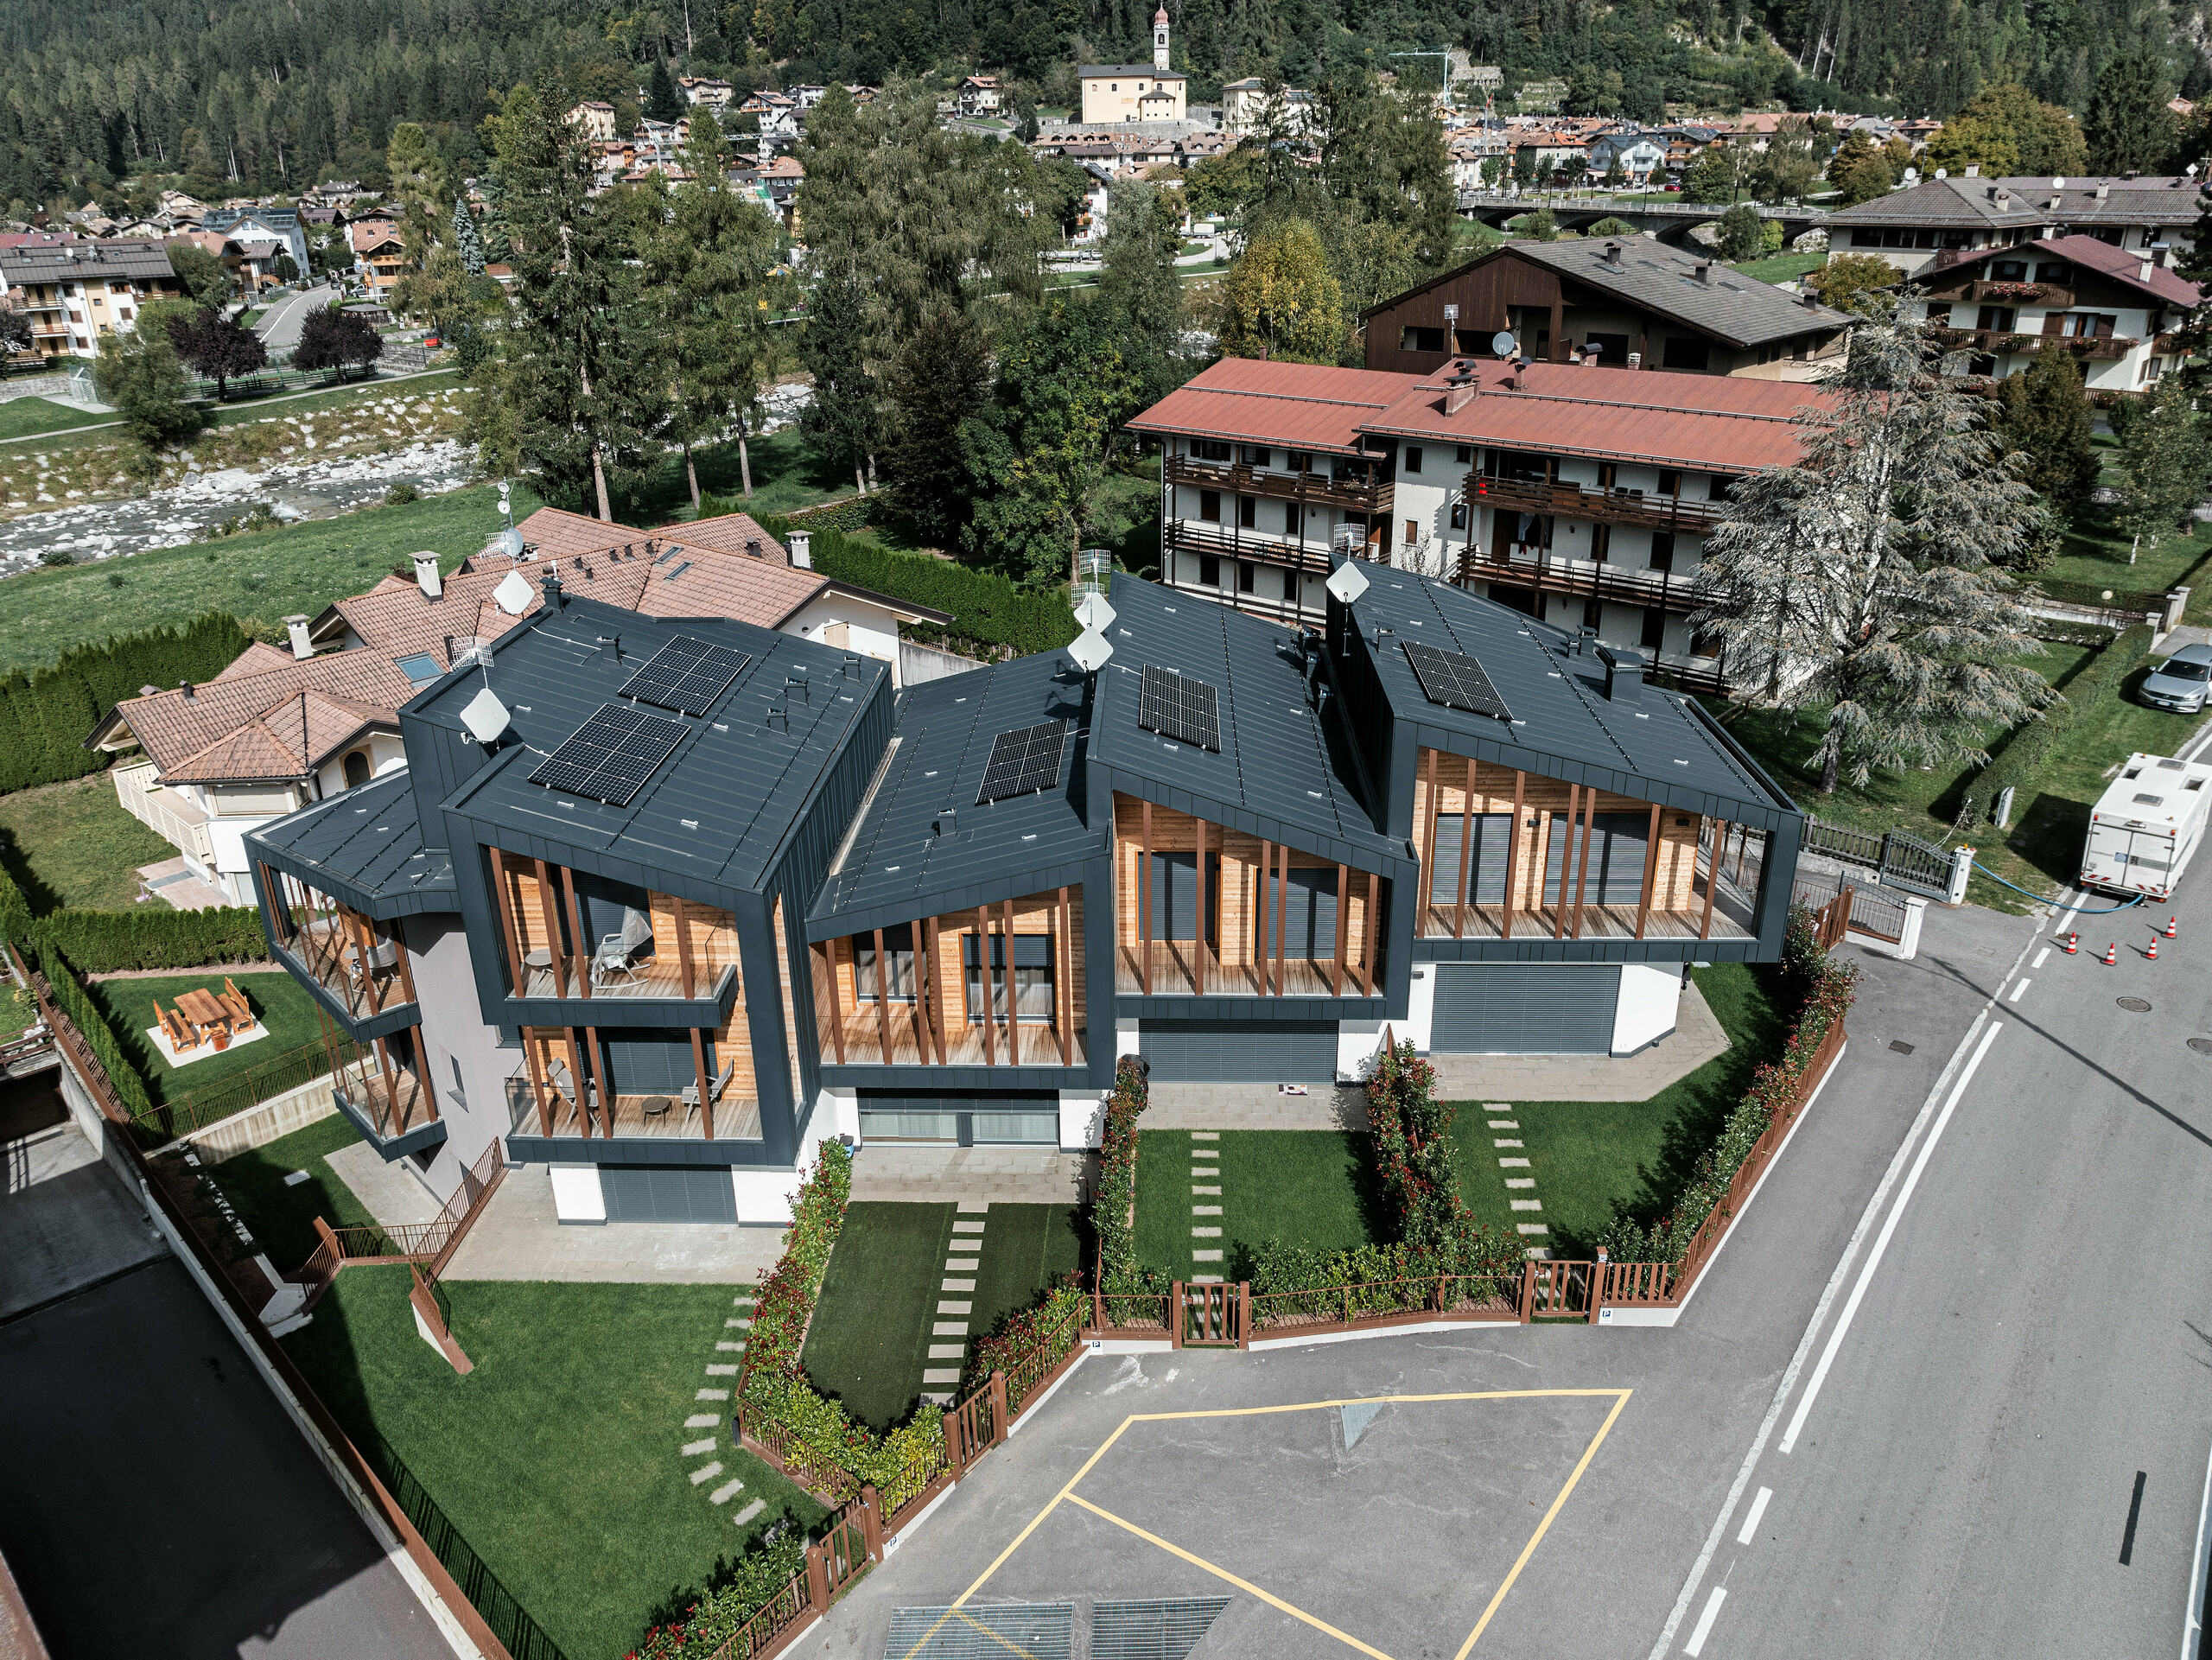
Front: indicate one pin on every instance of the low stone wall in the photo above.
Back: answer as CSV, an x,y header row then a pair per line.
x,y
279,1115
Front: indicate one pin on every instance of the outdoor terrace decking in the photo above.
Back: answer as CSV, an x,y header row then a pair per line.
x,y
329,942
1035,1043
734,1119
1176,970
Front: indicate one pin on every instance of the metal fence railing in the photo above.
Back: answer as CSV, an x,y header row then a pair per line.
x,y
195,1111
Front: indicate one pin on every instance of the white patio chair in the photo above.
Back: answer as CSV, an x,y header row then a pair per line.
x,y
616,957
714,1092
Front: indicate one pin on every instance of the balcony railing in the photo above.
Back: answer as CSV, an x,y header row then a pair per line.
x,y
2019,293
1548,573
1349,489
1598,507
2106,348
1196,535
168,814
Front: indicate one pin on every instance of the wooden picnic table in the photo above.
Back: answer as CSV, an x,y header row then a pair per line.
x,y
204,1010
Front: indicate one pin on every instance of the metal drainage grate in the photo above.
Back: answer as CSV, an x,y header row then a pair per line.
x,y
2133,1005
2203,1045
1002,1631
1901,1046
1152,1630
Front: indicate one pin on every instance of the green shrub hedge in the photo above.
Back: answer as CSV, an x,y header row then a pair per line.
x,y
986,608
2033,742
76,1003
100,942
14,909
1113,1208
46,716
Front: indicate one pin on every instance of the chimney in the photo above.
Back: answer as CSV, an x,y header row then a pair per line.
x,y
946,821
1623,674
2103,191
426,575
1702,271
185,686
302,647
2143,271
551,583
1613,255
610,648
2160,253
1973,169
802,546
1459,395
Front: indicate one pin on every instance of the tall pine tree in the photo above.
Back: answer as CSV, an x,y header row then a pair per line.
x,y
466,242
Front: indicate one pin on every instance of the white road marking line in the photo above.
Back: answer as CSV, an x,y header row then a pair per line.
x,y
1697,1644
2021,987
2066,915
2040,955
1882,1242
1751,1521
1696,1577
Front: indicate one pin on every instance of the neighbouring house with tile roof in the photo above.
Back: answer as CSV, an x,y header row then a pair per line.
x,y
75,290
1939,221
667,934
275,729
379,255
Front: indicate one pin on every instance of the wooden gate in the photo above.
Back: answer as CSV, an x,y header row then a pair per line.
x,y
1210,1316
1556,1290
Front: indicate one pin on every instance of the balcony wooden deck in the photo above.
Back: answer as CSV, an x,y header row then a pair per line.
x,y
736,1119
1039,1043
394,1105
1175,963
1597,506
327,952
1347,491
651,978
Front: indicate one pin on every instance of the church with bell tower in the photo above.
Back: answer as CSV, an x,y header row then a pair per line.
x,y
1121,94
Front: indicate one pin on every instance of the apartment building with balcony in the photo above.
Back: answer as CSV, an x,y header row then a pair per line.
x,y
665,930
1577,494
75,292
2113,310
1940,221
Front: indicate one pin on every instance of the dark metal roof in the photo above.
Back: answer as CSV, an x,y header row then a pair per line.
x,y
1727,305
896,866
1658,746
1283,772
365,847
721,806
2168,199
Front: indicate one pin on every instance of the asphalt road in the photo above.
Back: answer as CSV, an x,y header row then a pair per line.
x,y
2034,1342
280,325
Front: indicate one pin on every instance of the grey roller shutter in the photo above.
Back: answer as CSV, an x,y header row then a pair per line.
x,y
1511,1008
668,1193
1243,1051
1486,870
1617,840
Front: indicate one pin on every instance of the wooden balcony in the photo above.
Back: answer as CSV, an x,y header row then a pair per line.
x,y
394,1102
1598,922
544,1099
1546,572
361,963
2108,348
1232,542
1032,1043
1350,488
1576,501
675,948
2058,296
1176,972
656,1117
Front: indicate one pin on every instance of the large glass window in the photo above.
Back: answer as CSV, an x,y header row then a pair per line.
x,y
1032,977
899,948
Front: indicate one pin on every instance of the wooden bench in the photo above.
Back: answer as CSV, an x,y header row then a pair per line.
x,y
234,1003
180,1033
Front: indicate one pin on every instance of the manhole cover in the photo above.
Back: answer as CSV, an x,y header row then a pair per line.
x,y
1901,1046
2203,1045
2133,1005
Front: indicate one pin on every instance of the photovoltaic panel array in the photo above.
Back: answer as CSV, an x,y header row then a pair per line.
x,y
610,756
1456,681
685,675
1023,761
1176,706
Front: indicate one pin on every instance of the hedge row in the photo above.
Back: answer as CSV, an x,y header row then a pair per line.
x,y
2119,599
2033,742
100,942
45,717
74,1001
1114,1209
986,608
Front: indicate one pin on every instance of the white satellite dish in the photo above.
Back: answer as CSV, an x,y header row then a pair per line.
x,y
1501,343
1347,584
486,717
512,594
510,541
1911,174
1094,613
1090,650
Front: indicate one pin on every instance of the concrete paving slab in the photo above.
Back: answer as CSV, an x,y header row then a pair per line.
x,y
518,1237
388,1192
890,1173
66,1221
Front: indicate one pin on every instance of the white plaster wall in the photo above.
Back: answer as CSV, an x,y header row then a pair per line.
x,y
453,1032
1650,996
1358,1043
1125,1036
1083,1119
576,1193
869,629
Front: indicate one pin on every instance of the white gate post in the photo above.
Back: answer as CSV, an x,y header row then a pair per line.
x,y
1961,867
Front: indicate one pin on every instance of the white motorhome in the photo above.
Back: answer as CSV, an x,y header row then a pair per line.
x,y
2149,823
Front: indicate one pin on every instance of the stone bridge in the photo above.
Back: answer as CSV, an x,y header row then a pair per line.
x,y
1670,221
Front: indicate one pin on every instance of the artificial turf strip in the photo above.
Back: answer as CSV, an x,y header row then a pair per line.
x,y
558,1459
1590,1158
1028,1249
1316,1187
869,1339
279,1003
282,1217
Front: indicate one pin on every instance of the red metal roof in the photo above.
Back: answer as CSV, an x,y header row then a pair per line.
x,y
1300,405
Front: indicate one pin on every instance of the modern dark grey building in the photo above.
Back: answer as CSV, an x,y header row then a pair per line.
x,y
662,903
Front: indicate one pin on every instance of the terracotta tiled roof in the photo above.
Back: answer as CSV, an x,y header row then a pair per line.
x,y
728,533
257,659
254,727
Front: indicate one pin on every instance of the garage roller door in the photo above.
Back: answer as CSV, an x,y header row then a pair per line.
x,y
668,1193
1486,1008
1243,1052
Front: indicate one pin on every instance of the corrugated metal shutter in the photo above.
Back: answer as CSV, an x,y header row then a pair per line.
x,y
1617,840
1486,869
1243,1052
1509,1009
668,1193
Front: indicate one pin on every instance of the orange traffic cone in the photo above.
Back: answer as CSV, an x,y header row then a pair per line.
x,y
2152,954
2111,954
2072,945
2169,927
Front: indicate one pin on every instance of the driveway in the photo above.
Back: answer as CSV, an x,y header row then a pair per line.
x,y
280,325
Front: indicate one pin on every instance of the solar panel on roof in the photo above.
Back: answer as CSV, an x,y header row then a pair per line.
x,y
1024,761
610,756
686,674
1456,681
1176,706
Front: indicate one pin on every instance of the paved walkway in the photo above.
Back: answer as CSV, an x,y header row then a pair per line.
x,y
934,1175
948,1332
388,1192
721,1374
1255,1106
172,881
518,1237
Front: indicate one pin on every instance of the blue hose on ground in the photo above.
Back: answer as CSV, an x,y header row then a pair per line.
x,y
2017,889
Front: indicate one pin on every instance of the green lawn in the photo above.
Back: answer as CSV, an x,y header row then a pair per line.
x,y
237,409
279,1003
260,579
870,1337
20,417
18,1008
1313,1186
1590,1159
784,478
1781,267
1028,1249
71,844
558,1459
2096,553
280,1217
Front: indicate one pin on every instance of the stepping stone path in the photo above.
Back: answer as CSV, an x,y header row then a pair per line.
x,y
949,1334
1205,1209
1510,1159
732,1344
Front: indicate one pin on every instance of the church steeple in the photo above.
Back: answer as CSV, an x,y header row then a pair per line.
x,y
1160,40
